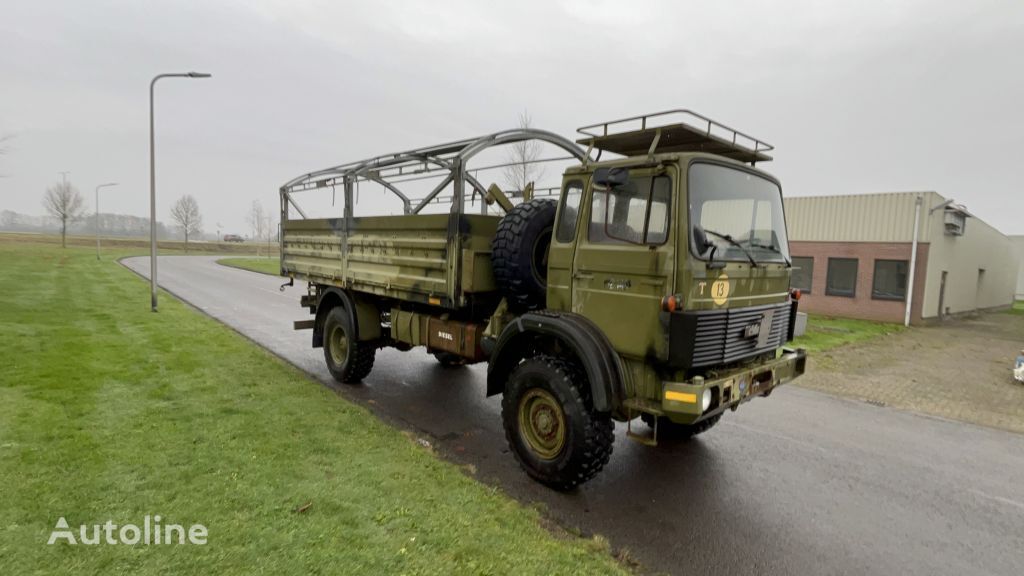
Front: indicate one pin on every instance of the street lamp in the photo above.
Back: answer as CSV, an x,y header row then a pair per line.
x,y
152,180
98,215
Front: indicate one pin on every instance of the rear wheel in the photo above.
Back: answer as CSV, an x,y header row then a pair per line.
x,y
550,424
669,430
349,360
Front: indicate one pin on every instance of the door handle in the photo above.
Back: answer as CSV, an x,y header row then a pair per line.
x,y
582,276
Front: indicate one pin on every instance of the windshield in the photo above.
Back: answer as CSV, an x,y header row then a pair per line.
x,y
736,214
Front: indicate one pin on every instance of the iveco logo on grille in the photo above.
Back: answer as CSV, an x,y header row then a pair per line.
x,y
752,330
760,329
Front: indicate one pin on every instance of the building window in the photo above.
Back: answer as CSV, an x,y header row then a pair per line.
x,y
803,274
842,277
890,281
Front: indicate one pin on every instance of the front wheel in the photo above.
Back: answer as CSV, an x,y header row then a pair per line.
x,y
550,424
349,360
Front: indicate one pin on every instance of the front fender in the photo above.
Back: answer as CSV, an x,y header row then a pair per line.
x,y
575,333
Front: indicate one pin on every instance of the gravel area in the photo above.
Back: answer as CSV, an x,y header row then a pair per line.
x,y
961,369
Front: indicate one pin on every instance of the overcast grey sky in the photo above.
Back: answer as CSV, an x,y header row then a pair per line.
x,y
860,96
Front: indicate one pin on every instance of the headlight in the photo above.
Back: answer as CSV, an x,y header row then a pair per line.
x,y
705,400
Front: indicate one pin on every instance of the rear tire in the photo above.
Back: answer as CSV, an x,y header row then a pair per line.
x,y
671,431
349,360
519,253
551,425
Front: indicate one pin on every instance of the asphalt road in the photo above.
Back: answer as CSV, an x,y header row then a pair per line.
x,y
799,483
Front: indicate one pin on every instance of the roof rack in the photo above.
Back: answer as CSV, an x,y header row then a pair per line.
x,y
674,131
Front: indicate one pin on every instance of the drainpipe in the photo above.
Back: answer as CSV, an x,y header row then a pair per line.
x,y
913,263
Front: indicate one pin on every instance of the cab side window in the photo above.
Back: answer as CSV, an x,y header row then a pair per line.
x,y
570,209
635,213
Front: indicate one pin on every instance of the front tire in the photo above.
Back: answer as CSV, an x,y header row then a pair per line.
x,y
550,423
349,360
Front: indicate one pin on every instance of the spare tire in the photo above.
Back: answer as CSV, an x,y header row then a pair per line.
x,y
519,253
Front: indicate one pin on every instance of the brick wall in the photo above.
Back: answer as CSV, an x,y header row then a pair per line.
x,y
862,305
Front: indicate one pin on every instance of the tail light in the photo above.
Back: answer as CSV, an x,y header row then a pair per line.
x,y
795,294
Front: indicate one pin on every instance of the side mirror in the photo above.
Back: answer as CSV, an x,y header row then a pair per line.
x,y
700,239
611,177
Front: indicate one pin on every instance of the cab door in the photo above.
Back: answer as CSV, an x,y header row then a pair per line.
x,y
624,261
563,243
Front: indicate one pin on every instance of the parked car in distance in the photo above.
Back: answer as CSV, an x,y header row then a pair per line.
x,y
233,238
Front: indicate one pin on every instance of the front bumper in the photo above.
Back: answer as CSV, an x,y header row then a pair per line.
x,y
683,402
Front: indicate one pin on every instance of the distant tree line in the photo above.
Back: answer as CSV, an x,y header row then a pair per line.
x,y
111,224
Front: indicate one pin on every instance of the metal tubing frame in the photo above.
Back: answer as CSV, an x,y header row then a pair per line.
x,y
452,158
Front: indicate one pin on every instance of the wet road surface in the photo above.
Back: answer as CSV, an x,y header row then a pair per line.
x,y
799,483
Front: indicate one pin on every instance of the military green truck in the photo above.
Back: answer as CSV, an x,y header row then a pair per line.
x,y
654,283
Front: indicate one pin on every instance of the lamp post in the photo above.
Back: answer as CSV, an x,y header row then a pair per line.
x,y
152,180
98,215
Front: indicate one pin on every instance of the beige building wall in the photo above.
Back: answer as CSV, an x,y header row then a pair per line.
x,y
1018,242
857,218
981,266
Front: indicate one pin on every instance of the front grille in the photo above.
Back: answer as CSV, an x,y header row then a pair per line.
x,y
714,337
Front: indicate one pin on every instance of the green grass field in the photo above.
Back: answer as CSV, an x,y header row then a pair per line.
x,y
111,412
824,333
270,266
1018,307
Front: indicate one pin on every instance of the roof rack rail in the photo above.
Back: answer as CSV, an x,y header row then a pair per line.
x,y
674,131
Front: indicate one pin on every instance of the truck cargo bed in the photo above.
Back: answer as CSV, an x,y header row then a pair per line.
x,y
407,257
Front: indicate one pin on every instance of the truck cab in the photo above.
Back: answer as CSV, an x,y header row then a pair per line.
x,y
680,258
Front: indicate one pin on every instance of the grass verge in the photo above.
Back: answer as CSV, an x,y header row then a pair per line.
x,y
111,412
1017,308
270,266
825,333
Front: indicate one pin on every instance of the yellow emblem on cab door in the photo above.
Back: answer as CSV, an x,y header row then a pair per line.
x,y
720,290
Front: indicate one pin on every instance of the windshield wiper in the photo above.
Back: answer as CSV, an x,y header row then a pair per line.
x,y
773,249
732,241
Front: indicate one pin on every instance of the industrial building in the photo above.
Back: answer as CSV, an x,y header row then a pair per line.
x,y
853,256
1018,242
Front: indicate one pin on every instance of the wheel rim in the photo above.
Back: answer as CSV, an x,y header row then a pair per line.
x,y
338,342
542,423
539,262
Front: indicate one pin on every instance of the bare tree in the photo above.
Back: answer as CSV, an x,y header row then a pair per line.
x,y
522,157
270,230
8,219
63,202
185,214
258,222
